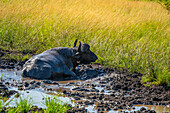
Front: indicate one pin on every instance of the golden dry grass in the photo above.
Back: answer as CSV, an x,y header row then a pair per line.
x,y
113,13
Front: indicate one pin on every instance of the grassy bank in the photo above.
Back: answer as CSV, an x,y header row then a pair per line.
x,y
123,33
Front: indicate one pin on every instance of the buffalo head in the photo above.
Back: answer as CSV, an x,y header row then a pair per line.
x,y
84,55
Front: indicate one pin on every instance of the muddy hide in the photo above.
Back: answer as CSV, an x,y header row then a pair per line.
x,y
58,63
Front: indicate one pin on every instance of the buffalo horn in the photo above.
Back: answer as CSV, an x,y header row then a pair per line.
x,y
75,43
79,47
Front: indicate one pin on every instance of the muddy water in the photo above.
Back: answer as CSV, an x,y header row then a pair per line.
x,y
38,94
10,74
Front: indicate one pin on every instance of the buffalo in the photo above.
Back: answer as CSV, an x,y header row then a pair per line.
x,y
59,62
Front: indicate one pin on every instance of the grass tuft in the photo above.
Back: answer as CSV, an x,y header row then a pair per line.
x,y
55,106
23,106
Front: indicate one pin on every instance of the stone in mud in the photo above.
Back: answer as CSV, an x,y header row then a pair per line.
x,y
49,89
37,84
3,66
115,108
64,91
19,85
7,83
55,83
26,84
33,82
47,81
3,87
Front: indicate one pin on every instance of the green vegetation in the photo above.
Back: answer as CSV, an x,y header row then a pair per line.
x,y
165,3
1,76
55,106
24,105
127,34
3,105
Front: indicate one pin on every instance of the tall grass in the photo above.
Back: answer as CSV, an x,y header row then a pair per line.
x,y
123,33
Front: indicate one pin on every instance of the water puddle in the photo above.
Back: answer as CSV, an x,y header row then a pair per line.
x,y
10,74
36,97
91,109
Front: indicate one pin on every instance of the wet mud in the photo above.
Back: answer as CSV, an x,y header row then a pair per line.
x,y
97,89
7,62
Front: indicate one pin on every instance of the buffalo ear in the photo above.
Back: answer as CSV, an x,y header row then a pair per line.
x,y
79,47
75,43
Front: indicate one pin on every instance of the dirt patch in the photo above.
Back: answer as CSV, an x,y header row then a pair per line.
x,y
118,91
